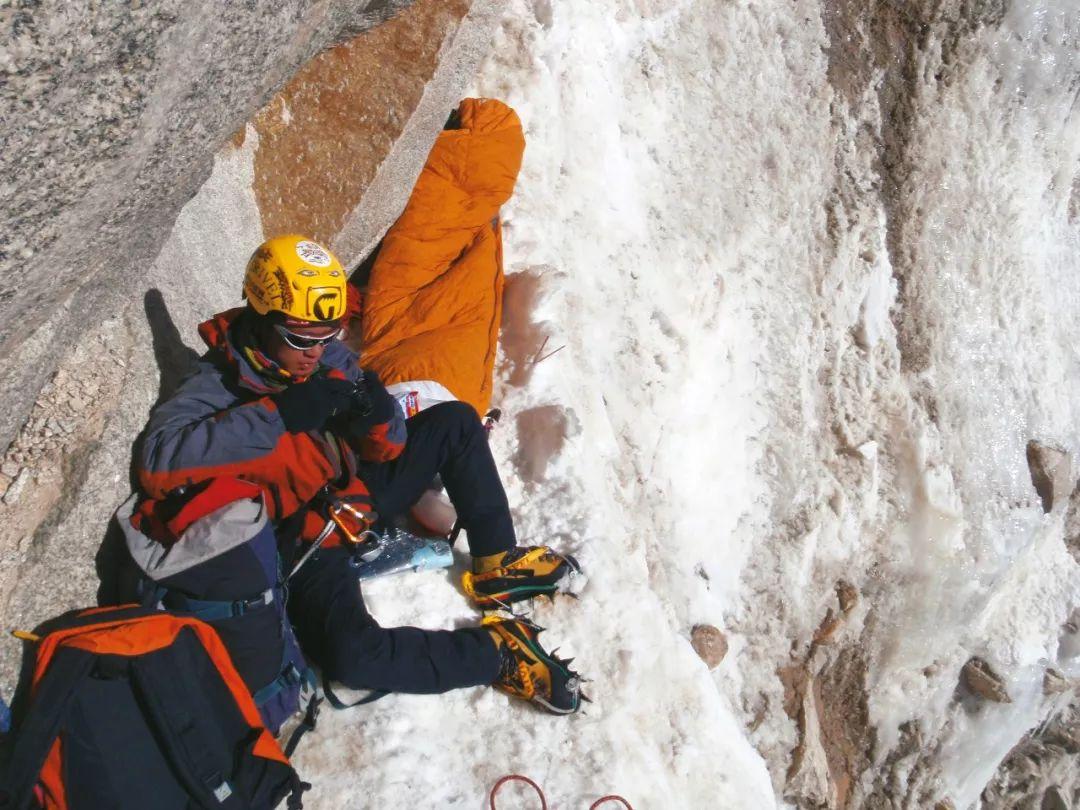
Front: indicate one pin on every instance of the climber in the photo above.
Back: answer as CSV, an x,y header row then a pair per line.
x,y
278,400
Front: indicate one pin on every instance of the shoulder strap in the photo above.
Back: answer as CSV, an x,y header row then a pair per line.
x,y
182,736
311,717
41,726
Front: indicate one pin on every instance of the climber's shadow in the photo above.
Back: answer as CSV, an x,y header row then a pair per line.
x,y
175,360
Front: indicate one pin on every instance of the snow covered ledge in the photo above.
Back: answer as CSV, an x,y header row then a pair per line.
x,y
815,267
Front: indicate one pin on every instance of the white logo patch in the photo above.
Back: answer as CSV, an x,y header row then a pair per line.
x,y
222,792
312,254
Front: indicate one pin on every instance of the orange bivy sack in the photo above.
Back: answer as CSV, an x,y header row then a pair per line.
x,y
431,309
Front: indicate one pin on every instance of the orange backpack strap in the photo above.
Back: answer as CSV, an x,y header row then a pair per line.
x,y
37,756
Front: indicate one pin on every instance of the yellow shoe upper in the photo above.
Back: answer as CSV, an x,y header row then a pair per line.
x,y
519,573
530,672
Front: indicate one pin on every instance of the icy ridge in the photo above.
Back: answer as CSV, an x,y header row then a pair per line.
x,y
825,344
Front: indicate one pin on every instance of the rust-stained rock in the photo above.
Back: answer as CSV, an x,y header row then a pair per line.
x,y
794,678
709,643
808,773
835,734
980,679
1054,683
843,717
945,804
848,595
1051,473
826,632
111,115
322,138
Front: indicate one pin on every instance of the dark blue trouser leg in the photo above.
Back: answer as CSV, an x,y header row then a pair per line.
x,y
447,439
337,632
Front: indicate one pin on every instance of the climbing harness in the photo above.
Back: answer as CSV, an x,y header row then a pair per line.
x,y
367,544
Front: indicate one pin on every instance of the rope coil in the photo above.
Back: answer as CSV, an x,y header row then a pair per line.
x,y
517,777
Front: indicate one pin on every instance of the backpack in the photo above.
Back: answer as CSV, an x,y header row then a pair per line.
x,y
210,552
135,708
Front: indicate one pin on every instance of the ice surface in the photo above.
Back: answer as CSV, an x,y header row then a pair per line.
x,y
748,406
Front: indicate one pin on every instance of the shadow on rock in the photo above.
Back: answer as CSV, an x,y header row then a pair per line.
x,y
174,359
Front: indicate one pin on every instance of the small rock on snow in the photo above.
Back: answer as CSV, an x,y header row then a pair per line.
x,y
1054,683
709,643
828,628
978,677
1051,473
848,595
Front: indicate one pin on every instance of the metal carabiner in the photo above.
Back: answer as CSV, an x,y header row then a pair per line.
x,y
368,543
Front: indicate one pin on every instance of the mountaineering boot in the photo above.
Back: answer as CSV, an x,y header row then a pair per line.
x,y
528,671
520,573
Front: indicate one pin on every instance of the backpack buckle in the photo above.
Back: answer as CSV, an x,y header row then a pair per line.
x,y
292,675
242,606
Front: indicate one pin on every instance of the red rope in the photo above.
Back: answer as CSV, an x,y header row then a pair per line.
x,y
517,777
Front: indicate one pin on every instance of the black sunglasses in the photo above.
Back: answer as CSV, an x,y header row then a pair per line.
x,y
302,342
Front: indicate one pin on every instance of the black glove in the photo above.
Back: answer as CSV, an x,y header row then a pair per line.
x,y
372,405
306,406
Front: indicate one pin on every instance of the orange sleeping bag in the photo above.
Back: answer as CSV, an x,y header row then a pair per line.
x,y
433,302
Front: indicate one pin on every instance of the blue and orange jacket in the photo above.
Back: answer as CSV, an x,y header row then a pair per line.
x,y
222,423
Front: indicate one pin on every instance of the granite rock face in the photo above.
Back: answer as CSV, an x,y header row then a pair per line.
x,y
368,107
111,115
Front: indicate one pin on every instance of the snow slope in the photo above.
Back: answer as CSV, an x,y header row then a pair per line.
x,y
772,373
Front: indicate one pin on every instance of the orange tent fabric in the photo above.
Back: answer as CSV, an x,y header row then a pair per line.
x,y
433,303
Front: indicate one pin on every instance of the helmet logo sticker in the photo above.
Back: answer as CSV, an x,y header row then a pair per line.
x,y
312,254
326,305
284,292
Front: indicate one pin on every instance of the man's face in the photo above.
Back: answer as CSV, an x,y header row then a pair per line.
x,y
297,348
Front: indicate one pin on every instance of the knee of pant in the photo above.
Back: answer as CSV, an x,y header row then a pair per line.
x,y
460,416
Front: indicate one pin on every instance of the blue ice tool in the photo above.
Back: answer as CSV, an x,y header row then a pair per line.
x,y
401,551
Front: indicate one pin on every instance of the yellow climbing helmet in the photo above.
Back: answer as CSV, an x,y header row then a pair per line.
x,y
295,276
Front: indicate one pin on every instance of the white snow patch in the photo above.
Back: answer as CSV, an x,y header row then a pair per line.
x,y
735,423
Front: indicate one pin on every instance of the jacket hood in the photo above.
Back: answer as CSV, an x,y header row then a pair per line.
x,y
215,332
218,333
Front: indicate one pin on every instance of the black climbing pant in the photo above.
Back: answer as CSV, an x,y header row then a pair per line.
x,y
325,602
337,632
447,439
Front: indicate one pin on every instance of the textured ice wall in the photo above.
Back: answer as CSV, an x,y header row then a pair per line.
x,y
816,270
811,272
